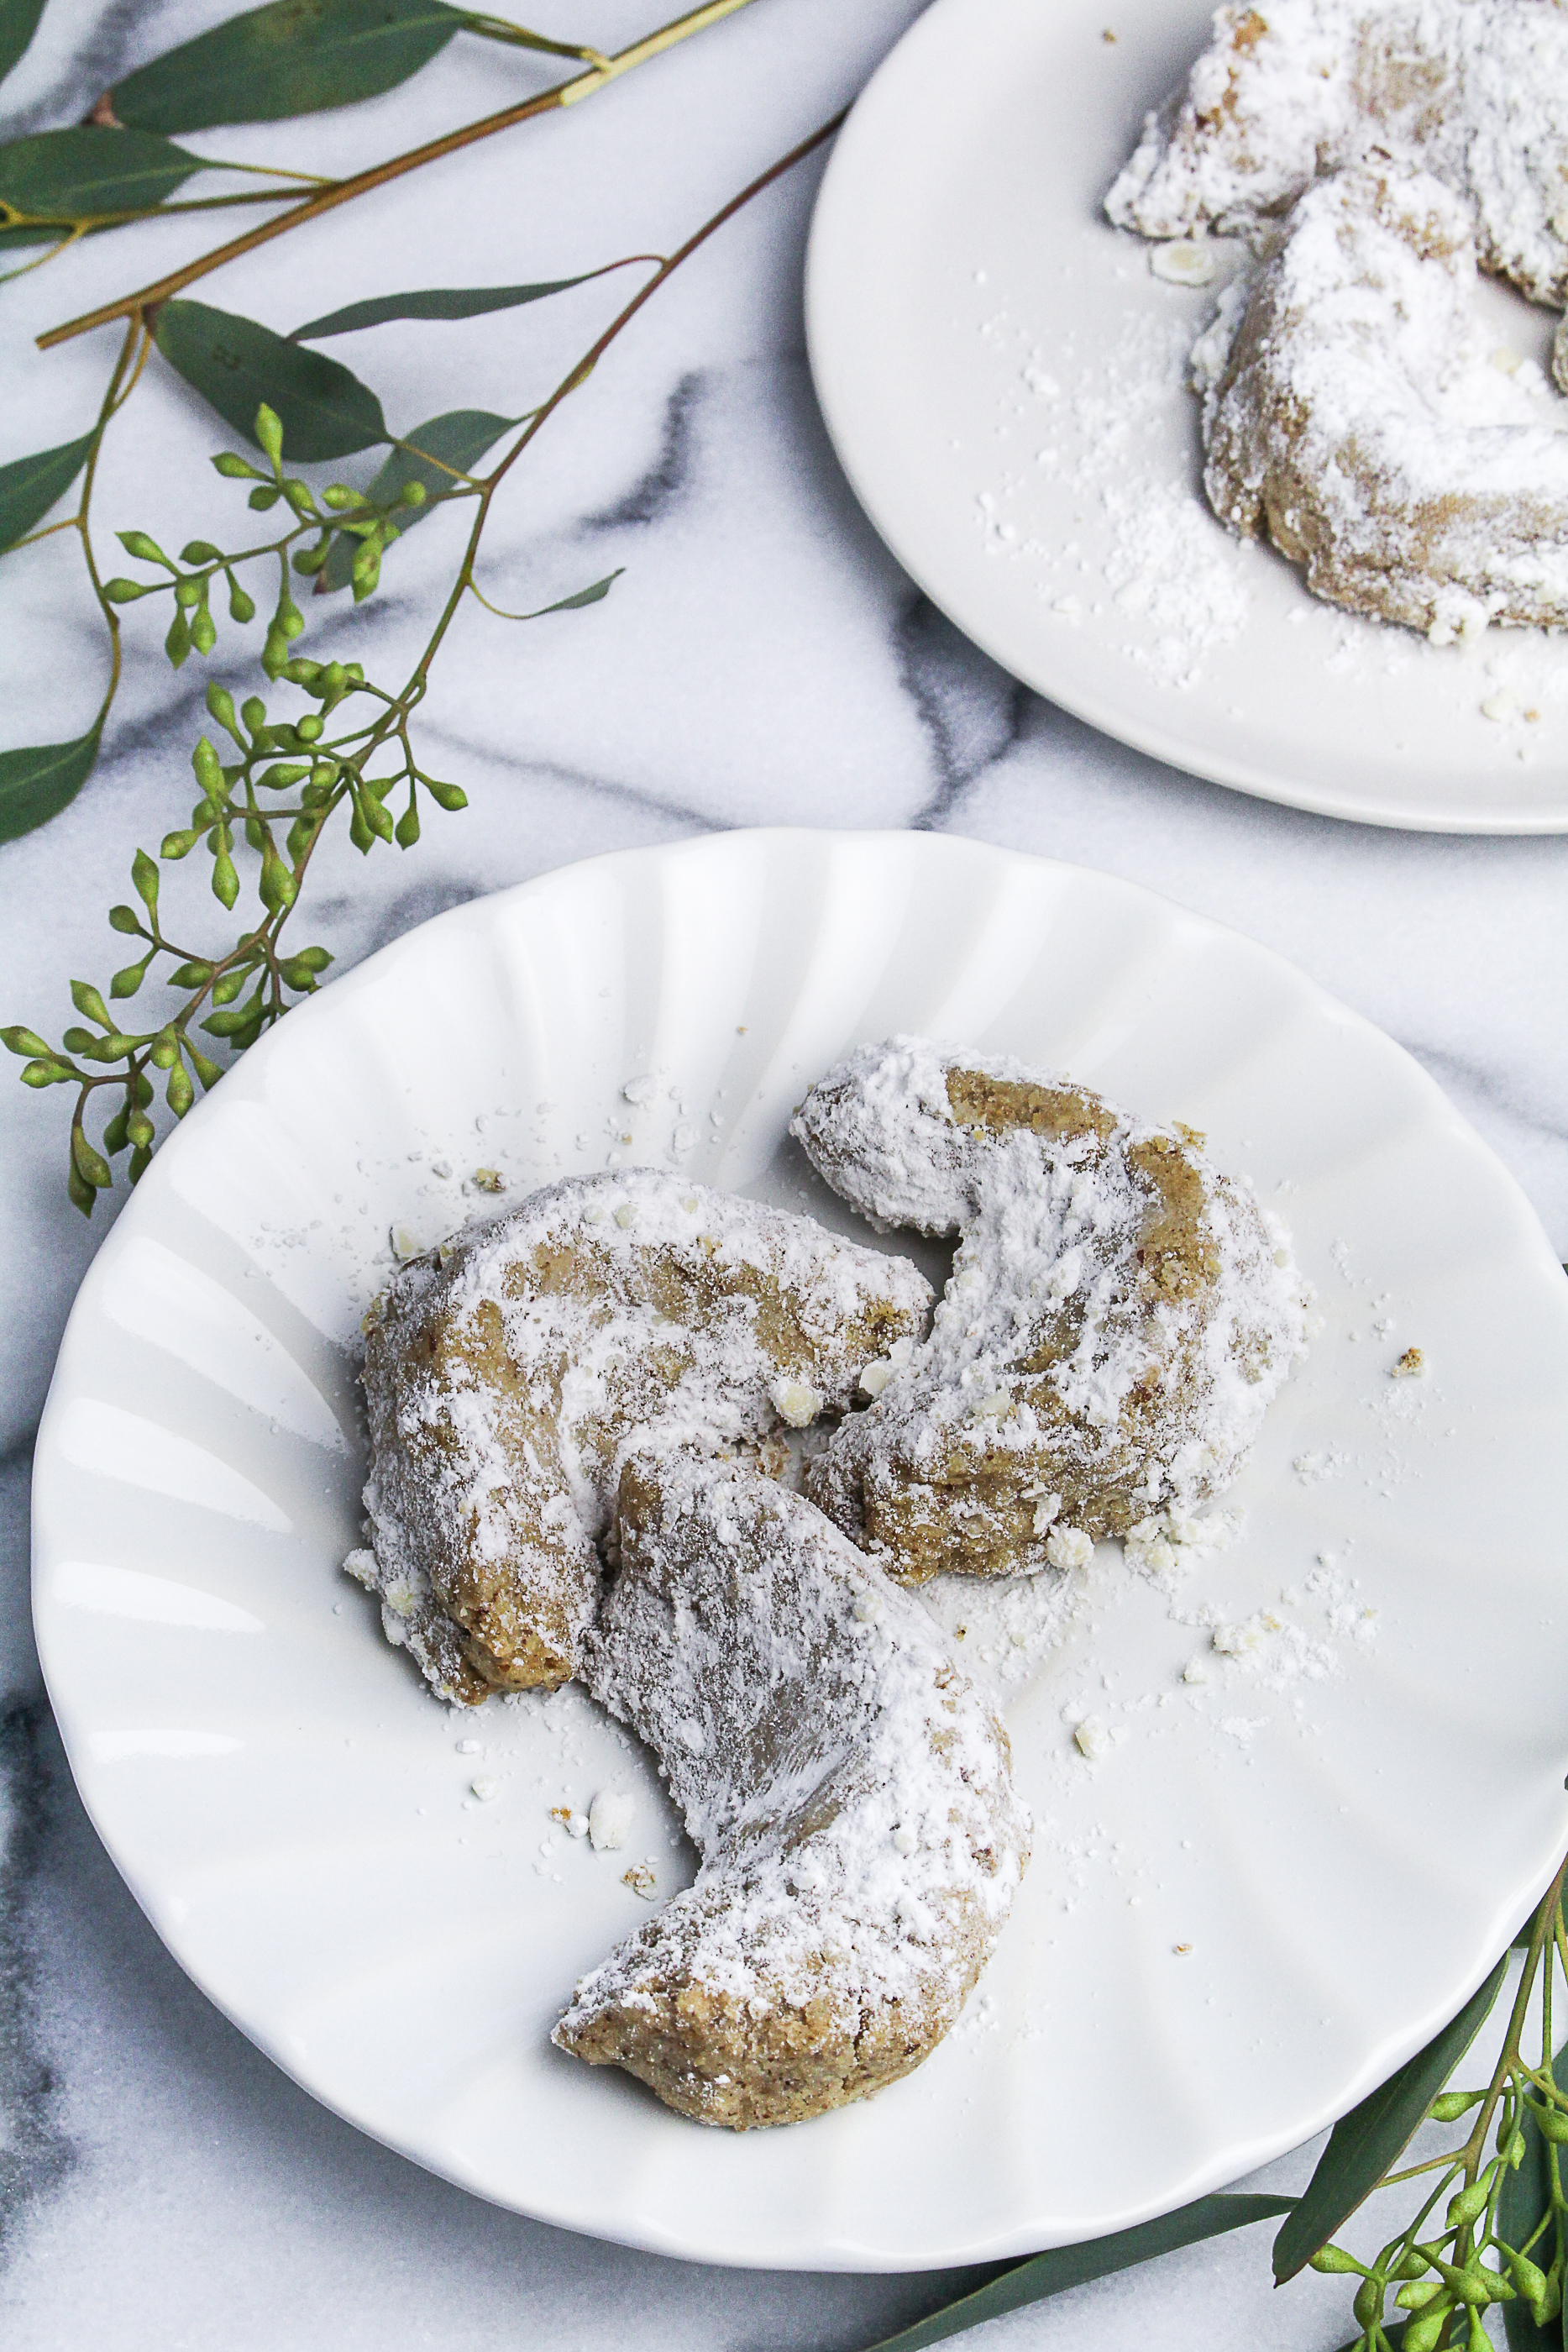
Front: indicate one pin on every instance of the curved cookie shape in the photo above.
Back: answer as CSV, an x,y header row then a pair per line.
x,y
1119,1315
1473,91
1343,415
507,1376
849,1790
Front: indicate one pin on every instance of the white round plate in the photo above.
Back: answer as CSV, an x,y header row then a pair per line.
x,y
1004,381
1276,1883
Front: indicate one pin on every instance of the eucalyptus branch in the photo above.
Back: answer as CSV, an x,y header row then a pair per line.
x,y
73,226
341,191
285,780
1503,2185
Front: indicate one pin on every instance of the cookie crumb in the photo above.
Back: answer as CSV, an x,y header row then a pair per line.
x,y
609,1818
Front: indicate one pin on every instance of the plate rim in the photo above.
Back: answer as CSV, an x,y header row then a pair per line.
x,y
835,196
75,1733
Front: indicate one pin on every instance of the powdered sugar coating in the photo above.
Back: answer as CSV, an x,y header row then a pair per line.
x,y
508,1376
1119,1315
848,1787
1473,91
1346,413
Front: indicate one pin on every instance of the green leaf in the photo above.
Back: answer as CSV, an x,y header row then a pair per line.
x,y
237,365
1047,2275
458,440
29,486
1367,2142
37,783
295,56
18,23
68,176
434,302
594,595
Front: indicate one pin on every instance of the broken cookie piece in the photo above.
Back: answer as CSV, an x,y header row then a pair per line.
x,y
508,1378
849,1789
1118,1317
1474,92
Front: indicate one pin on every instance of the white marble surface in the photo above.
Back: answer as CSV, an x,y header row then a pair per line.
x,y
762,661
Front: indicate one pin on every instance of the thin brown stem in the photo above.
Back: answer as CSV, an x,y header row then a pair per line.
x,y
393,719
127,361
48,530
1475,2147
623,318
342,192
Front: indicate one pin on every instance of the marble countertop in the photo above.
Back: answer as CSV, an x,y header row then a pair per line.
x,y
762,660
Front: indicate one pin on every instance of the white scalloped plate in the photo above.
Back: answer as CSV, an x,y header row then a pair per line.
x,y
1342,1855
1003,381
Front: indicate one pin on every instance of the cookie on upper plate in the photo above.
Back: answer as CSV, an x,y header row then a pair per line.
x,y
508,1375
1350,412
850,1790
1119,1315
1473,91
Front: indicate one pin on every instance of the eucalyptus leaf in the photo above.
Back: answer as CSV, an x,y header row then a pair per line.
x,y
293,56
37,783
29,486
432,303
1526,2196
1047,2275
18,23
593,596
1367,2143
237,364
458,439
69,175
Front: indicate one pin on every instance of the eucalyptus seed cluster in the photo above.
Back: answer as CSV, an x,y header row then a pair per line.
x,y
1504,2234
269,803
304,547
329,759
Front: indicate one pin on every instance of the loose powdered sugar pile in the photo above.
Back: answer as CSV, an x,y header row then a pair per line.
x,y
1154,556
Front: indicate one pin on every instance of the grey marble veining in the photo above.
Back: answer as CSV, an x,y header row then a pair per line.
x,y
762,660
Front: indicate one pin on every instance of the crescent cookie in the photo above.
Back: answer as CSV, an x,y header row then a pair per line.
x,y
508,1375
849,1791
1118,1317
1474,91
1340,414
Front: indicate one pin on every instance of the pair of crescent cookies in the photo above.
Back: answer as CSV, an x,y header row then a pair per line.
x,y
1375,156
606,1368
